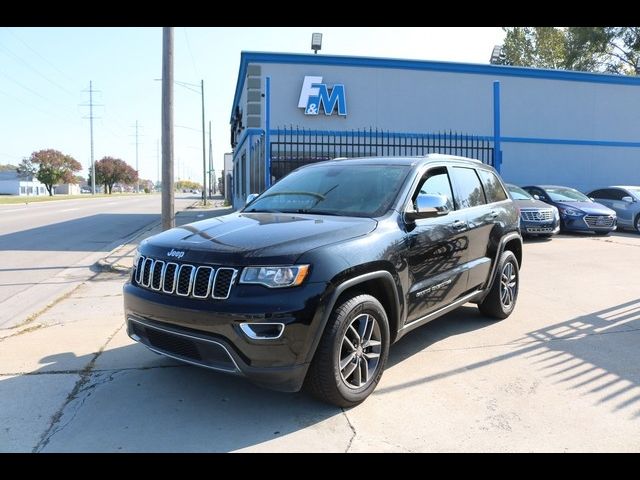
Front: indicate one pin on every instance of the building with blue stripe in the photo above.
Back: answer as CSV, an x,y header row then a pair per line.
x,y
545,126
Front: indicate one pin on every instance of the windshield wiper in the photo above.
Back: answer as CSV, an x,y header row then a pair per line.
x,y
263,210
311,194
317,212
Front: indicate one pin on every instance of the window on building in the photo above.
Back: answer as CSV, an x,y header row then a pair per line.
x,y
23,190
470,192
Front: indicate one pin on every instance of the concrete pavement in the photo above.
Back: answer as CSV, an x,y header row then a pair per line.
x,y
560,374
49,248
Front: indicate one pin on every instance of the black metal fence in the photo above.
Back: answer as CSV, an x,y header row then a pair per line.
x,y
293,147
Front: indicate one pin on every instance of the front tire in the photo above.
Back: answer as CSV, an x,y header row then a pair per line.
x,y
502,297
352,352
637,223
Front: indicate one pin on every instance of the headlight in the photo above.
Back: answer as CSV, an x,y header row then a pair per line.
x,y
275,277
572,212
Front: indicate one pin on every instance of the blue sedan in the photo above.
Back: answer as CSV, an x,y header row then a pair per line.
x,y
578,213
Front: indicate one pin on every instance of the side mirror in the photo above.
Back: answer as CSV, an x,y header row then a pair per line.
x,y
627,199
428,206
250,198
537,197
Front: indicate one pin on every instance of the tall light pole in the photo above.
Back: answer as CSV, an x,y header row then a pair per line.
x,y
168,218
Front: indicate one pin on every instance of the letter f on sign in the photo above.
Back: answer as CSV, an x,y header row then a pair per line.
x,y
308,90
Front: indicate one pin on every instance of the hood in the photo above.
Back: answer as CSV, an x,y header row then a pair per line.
x,y
254,238
533,203
591,208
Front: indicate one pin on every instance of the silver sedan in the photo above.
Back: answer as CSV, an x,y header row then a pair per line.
x,y
625,200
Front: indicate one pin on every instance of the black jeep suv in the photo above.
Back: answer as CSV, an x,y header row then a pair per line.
x,y
313,280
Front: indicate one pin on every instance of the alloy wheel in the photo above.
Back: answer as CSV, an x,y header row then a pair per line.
x,y
360,351
508,285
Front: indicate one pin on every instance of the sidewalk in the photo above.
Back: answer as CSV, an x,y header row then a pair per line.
x,y
70,349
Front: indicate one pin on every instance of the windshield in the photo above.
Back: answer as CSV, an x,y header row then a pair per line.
x,y
350,190
565,194
518,194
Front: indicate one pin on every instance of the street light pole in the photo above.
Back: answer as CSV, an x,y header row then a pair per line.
x,y
204,152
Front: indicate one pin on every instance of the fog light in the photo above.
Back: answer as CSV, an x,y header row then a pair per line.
x,y
262,331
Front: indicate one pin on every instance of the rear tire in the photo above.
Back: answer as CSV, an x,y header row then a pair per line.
x,y
352,352
636,223
502,297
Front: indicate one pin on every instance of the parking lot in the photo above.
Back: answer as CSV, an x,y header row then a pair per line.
x,y
560,374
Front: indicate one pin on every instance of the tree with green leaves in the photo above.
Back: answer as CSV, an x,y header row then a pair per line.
x,y
54,167
590,49
110,171
26,169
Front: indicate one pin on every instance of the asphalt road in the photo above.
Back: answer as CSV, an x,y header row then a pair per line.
x,y
47,248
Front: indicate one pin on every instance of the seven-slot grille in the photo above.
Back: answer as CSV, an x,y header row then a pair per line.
x,y
184,279
537,215
604,221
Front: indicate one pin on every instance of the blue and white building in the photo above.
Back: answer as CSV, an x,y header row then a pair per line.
x,y
542,126
12,184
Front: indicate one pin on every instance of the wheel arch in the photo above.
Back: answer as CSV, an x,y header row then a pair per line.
x,y
379,284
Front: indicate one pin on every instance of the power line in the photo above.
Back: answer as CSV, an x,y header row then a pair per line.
x,y
38,54
46,112
33,92
16,57
91,117
193,62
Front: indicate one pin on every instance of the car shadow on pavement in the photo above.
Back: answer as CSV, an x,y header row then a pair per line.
x,y
591,354
129,399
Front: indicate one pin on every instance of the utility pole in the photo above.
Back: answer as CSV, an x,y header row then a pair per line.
x,y
212,186
91,117
137,168
168,217
158,159
204,152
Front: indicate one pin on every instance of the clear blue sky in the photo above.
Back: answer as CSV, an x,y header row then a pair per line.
x,y
43,72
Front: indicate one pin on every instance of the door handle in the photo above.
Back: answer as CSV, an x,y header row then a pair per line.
x,y
493,214
459,225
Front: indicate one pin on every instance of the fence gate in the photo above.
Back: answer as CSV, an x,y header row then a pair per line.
x,y
293,147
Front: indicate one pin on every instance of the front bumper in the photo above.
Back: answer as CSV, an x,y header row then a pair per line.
x,y
579,224
208,333
539,228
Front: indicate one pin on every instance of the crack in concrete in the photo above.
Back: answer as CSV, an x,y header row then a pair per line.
x,y
32,328
353,430
79,387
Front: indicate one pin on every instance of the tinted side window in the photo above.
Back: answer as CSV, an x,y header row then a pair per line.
x,y
492,187
469,187
436,182
616,194
598,194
